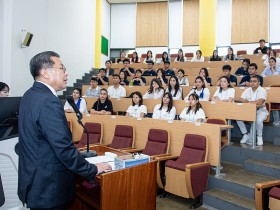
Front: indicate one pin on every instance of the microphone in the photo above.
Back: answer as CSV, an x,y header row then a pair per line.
x,y
71,101
86,153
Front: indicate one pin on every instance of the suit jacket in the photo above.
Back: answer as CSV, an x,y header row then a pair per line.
x,y
47,157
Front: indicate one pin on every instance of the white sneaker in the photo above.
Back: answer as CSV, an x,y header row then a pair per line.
x,y
244,139
259,140
276,124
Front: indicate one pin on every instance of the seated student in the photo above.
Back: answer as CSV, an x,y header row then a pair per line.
x,y
80,102
150,71
93,90
180,57
266,56
272,69
122,57
168,71
174,88
243,70
108,69
161,77
4,89
262,48
272,54
165,110
193,112
123,80
203,72
116,90
138,80
199,89
181,78
245,81
155,91
230,55
135,58
198,57
103,106
226,72
164,57
137,109
226,92
215,56
102,79
255,95
149,57
127,69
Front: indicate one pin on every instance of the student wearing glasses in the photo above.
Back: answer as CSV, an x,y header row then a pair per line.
x,y
200,90
226,92
137,109
165,110
174,88
80,102
155,91
193,112
103,106
255,95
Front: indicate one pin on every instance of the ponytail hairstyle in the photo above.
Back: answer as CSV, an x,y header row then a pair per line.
x,y
197,106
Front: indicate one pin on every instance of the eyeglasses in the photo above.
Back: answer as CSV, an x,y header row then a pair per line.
x,y
253,81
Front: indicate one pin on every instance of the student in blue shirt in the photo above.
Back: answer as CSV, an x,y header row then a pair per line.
x,y
243,70
168,71
245,81
226,72
102,79
272,69
150,71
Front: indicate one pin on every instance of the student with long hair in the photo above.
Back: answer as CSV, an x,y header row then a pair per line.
x,y
180,57
199,89
198,57
103,106
193,112
123,77
164,57
181,78
161,77
165,110
230,55
137,109
135,58
4,89
272,69
215,56
80,102
122,57
226,92
174,88
271,54
155,91
149,57
203,72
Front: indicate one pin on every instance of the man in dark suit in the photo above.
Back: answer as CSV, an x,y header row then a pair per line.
x,y
48,160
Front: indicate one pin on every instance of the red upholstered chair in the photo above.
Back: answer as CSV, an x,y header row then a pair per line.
x,y
143,55
189,55
129,55
187,175
241,52
275,106
95,134
224,134
123,137
158,55
267,195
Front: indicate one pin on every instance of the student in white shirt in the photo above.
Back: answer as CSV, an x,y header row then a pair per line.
x,y
149,57
116,91
155,91
255,95
165,110
226,92
80,102
174,88
200,89
180,57
271,54
137,109
181,78
198,57
193,112
93,90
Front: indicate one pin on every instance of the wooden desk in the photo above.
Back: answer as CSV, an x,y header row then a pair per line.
x,y
130,188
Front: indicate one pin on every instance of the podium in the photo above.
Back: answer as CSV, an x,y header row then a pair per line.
x,y
125,189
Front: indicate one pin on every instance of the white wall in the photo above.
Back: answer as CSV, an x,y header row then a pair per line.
x,y
274,21
105,27
123,25
175,24
223,22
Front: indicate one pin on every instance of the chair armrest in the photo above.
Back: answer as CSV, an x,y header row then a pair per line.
x,y
197,178
269,184
132,150
153,157
170,157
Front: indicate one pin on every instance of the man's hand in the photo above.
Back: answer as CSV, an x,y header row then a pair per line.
x,y
101,167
